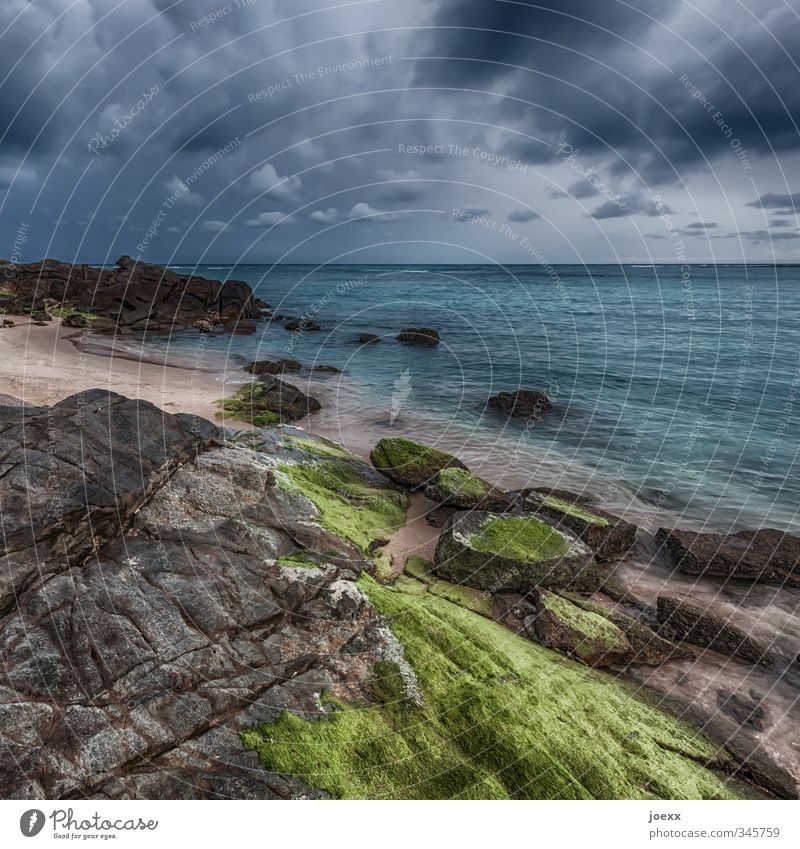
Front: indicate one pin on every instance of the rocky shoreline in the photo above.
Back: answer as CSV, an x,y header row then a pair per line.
x,y
197,611
189,596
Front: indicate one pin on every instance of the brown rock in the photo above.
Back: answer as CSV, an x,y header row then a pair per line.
x,y
763,555
523,403
425,336
683,621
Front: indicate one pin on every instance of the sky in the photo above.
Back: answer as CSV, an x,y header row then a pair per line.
x,y
421,131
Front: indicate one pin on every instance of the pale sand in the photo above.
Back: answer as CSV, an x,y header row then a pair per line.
x,y
40,365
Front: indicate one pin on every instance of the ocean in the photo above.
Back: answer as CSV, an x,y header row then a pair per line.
x,y
674,389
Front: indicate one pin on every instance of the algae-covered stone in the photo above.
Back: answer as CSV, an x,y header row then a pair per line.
x,y
647,647
607,535
459,488
500,553
268,401
583,634
409,463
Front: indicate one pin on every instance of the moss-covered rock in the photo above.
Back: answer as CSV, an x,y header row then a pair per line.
x,y
266,402
500,717
607,535
647,647
579,633
409,463
349,502
501,553
461,489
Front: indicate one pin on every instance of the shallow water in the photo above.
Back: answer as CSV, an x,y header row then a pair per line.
x,y
673,395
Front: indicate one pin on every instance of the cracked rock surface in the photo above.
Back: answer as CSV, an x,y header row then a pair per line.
x,y
149,612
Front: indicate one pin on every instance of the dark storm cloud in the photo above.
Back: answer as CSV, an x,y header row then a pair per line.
x,y
522,216
272,127
701,226
654,88
776,201
629,204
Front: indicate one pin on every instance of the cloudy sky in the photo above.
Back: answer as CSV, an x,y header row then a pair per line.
x,y
415,131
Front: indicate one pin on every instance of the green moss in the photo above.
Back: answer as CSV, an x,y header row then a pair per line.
x,y
349,506
461,482
65,312
519,538
388,687
6,293
573,510
418,567
298,558
411,586
246,405
501,718
594,630
414,463
477,601
318,447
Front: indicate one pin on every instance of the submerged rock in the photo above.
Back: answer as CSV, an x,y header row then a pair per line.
x,y
368,339
425,336
680,620
454,487
607,535
410,464
302,324
503,553
268,401
522,403
763,555
259,367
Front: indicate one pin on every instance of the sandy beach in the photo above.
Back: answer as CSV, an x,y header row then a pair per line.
x,y
42,365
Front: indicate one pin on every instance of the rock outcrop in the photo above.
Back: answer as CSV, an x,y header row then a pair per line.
x,y
134,295
523,403
410,464
181,591
763,555
683,621
368,339
501,553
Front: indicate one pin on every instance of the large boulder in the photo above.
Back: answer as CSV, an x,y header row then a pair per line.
x,y
683,621
524,403
268,401
425,336
607,535
582,634
763,555
455,487
501,553
410,464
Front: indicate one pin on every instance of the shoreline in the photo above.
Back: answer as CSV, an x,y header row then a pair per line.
x,y
43,365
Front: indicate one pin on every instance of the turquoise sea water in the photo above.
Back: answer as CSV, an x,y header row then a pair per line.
x,y
675,390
